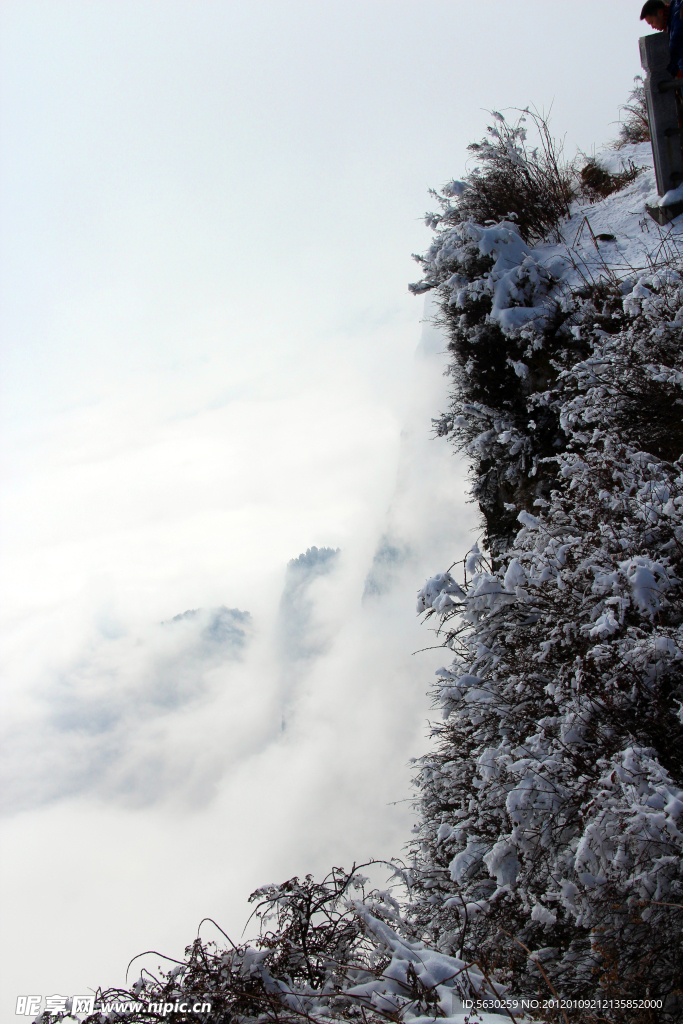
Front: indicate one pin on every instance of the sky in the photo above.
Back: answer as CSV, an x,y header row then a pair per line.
x,y
216,399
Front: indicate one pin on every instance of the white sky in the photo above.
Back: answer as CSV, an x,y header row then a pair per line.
x,y
208,211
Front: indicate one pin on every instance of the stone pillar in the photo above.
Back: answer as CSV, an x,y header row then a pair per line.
x,y
662,110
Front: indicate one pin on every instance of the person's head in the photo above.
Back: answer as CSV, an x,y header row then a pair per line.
x,y
655,13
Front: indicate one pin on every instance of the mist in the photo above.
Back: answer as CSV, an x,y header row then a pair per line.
x,y
222,748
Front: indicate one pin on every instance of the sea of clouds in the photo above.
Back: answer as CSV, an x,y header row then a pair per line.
x,y
160,761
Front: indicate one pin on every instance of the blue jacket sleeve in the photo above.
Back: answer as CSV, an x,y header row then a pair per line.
x,y
676,38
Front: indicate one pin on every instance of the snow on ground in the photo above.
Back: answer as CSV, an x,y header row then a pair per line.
x,y
614,239
636,236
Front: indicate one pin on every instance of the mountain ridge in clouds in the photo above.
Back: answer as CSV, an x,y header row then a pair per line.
x,y
296,604
204,741
118,692
128,690
390,555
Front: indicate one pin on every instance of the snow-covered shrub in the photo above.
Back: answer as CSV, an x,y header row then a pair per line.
x,y
326,950
509,307
597,182
635,126
551,805
504,314
511,181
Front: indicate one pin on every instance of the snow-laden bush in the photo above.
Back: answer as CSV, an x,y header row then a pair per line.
x,y
597,182
635,125
512,180
326,950
502,311
551,811
508,303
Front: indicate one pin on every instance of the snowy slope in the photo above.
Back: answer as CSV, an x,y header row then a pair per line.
x,y
525,277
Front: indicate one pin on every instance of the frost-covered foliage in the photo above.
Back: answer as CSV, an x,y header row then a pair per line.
x,y
495,302
326,950
551,811
508,302
512,180
503,310
634,126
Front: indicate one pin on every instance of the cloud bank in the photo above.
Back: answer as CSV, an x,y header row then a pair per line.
x,y
278,733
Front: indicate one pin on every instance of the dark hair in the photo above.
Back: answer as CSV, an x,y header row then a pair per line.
x,y
650,8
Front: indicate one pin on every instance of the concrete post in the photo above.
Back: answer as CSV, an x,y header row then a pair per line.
x,y
663,114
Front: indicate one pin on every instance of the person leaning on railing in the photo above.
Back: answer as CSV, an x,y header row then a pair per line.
x,y
668,18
